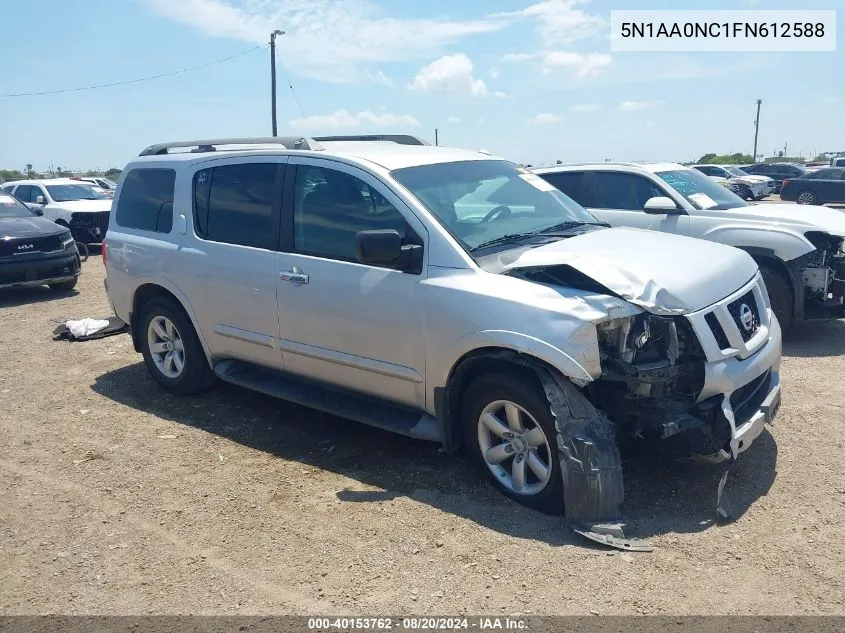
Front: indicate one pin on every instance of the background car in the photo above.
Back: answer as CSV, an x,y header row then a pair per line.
x,y
80,206
776,171
818,187
746,186
33,250
108,186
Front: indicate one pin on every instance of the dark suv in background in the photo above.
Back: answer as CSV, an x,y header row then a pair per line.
x,y
776,171
34,251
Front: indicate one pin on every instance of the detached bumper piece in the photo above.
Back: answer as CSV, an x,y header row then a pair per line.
x,y
591,466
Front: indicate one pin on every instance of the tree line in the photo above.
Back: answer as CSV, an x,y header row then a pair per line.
x,y
30,174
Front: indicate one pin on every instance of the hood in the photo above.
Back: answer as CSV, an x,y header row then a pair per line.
x,y
810,218
84,205
659,272
752,179
28,227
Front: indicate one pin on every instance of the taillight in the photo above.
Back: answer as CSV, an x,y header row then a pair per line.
x,y
103,251
786,182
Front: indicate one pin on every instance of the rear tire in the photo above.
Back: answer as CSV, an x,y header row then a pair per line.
x,y
780,296
70,284
514,400
171,348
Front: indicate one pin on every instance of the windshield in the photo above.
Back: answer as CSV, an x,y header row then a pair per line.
x,y
484,200
66,193
735,171
10,207
702,192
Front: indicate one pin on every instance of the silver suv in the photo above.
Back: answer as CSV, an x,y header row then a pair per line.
x,y
446,295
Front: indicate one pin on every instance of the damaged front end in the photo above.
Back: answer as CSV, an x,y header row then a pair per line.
x,y
822,272
653,371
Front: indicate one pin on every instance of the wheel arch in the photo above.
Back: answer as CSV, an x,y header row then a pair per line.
x,y
766,258
149,291
477,362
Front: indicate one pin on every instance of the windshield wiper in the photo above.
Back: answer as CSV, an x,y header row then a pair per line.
x,y
510,237
568,225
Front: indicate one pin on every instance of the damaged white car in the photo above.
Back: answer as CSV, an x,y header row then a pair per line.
x,y
799,249
445,295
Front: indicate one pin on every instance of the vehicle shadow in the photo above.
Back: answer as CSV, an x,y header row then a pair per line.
x,y
808,339
672,498
14,297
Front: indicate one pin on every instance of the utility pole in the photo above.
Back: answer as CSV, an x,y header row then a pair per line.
x,y
436,137
273,75
757,127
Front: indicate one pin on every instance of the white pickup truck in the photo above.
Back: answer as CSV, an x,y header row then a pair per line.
x,y
798,248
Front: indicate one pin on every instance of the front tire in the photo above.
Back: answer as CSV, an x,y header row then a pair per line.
x,y
510,433
172,350
780,296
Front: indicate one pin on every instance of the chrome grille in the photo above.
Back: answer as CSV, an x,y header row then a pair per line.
x,y
738,325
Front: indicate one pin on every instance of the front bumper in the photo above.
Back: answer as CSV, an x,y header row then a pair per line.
x,y
40,270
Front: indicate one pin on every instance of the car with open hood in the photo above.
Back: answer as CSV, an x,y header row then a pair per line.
x,y
80,206
798,248
443,294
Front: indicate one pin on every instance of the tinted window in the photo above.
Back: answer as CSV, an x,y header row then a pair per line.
x,y
330,207
234,203
823,174
569,182
146,200
623,191
23,193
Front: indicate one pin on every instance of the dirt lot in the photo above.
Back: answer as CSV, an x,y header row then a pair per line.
x,y
116,498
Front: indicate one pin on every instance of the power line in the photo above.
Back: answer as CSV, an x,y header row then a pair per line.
x,y
131,81
295,98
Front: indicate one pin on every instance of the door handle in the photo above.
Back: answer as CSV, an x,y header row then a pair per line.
x,y
295,276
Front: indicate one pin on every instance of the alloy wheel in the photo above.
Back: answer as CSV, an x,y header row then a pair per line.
x,y
514,447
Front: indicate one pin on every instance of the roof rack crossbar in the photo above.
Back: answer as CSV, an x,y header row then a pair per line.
x,y
401,139
211,145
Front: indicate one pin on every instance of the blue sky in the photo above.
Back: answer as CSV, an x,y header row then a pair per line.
x,y
533,81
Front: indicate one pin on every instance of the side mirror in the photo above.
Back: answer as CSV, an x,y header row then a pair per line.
x,y
39,199
661,205
384,248
38,211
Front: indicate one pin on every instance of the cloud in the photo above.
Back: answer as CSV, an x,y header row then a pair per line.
x,y
635,106
454,119
450,74
830,100
585,107
584,64
494,73
558,21
341,119
325,39
544,118
515,58
379,77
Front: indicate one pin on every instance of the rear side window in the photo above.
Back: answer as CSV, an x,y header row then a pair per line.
x,y
234,204
146,200
569,182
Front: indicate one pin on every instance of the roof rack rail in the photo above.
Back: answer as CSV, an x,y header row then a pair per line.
x,y
211,145
401,139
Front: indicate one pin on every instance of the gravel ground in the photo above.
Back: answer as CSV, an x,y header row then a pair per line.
x,y
117,498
